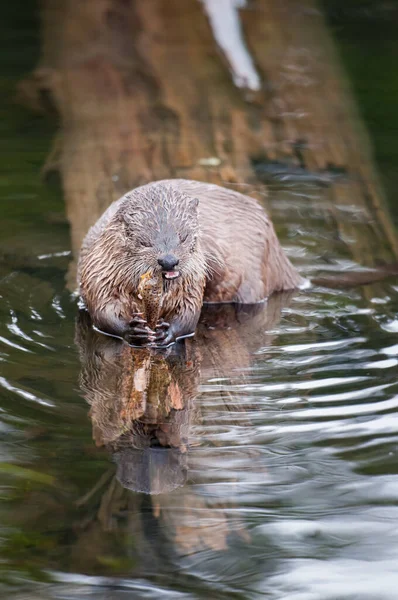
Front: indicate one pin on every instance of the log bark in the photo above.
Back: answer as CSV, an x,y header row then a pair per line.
x,y
144,92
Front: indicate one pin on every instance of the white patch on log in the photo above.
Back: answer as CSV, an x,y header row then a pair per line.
x,y
225,23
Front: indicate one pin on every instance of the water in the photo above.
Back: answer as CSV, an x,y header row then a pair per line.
x,y
280,480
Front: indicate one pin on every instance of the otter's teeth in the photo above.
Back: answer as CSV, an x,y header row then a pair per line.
x,y
171,274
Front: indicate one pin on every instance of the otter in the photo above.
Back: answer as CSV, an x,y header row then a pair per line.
x,y
209,244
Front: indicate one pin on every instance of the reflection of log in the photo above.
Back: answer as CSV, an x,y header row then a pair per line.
x,y
143,93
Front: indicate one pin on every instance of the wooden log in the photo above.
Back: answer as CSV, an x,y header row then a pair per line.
x,y
315,123
143,92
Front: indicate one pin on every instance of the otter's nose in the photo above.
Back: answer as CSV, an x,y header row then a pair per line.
x,y
168,262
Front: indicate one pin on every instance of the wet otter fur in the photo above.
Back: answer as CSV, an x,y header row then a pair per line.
x,y
208,243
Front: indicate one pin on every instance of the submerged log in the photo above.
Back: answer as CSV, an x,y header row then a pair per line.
x,y
148,90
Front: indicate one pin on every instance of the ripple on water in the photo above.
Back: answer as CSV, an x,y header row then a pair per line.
x,y
291,485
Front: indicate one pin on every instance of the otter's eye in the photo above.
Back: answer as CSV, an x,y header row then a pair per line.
x,y
145,243
183,237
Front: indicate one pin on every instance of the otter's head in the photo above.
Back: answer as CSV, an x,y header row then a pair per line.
x,y
162,232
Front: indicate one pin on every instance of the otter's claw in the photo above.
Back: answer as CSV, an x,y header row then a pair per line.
x,y
162,334
138,332
137,320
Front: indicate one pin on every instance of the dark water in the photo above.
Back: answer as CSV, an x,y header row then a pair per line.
x,y
281,475
366,34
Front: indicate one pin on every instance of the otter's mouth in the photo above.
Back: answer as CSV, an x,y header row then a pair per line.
x,y
171,274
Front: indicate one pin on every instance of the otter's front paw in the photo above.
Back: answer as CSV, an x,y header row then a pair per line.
x,y
138,332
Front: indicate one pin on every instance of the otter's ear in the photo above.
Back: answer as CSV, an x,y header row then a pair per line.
x,y
127,207
193,206
123,217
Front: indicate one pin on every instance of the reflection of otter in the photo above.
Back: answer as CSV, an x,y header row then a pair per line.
x,y
141,405
206,243
142,401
